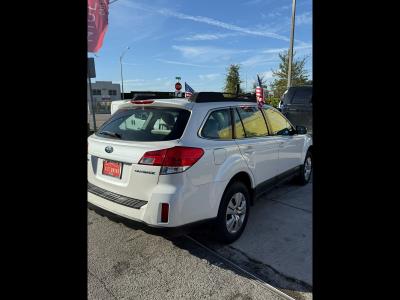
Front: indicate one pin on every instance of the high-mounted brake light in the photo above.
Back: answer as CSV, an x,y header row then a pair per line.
x,y
172,160
142,101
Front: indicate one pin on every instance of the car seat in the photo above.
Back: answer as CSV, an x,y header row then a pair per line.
x,y
211,129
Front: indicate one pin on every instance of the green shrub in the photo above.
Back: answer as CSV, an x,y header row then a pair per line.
x,y
273,101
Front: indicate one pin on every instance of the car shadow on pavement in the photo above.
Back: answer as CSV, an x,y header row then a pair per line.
x,y
233,258
238,262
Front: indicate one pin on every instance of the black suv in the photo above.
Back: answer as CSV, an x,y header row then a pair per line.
x,y
296,105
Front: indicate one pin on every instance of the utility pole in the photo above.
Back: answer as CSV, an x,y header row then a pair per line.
x,y
122,78
93,106
290,54
91,73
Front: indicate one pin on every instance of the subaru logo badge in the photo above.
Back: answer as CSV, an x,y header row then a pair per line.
x,y
109,149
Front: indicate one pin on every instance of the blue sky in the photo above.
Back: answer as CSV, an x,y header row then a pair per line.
x,y
198,40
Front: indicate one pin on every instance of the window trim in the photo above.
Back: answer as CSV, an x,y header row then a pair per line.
x,y
233,110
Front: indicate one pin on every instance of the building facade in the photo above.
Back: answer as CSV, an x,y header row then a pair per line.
x,y
103,93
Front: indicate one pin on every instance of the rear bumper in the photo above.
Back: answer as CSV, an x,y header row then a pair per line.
x,y
149,228
181,212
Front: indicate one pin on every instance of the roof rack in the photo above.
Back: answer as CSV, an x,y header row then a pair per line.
x,y
203,97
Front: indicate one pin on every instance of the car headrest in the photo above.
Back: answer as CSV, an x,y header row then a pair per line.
x,y
211,129
168,119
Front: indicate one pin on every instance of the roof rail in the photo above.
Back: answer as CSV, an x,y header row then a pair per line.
x,y
203,97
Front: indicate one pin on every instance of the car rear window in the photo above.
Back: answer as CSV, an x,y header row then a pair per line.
x,y
302,96
148,124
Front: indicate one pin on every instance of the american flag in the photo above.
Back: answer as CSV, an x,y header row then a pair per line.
x,y
260,93
188,91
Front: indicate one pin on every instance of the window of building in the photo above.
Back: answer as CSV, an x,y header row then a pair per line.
x,y
112,92
96,92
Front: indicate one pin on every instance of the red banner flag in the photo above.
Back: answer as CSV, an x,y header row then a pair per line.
x,y
97,23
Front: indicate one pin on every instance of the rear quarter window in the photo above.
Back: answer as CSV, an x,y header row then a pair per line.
x,y
218,125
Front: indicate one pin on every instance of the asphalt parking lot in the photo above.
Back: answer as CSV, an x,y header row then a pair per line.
x,y
126,262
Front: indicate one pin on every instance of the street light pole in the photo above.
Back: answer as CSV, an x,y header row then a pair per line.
x,y
290,54
122,78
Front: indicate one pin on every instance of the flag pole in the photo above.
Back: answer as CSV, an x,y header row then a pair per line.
x,y
290,54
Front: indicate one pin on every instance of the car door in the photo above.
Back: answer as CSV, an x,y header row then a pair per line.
x,y
257,146
290,144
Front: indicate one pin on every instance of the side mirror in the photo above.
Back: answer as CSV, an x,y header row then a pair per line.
x,y
301,129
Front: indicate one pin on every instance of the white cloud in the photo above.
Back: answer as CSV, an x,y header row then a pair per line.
x,y
267,74
209,76
173,62
207,54
224,25
305,18
258,60
208,36
251,2
274,14
279,50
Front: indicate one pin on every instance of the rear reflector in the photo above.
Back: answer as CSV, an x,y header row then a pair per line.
x,y
142,101
164,212
172,160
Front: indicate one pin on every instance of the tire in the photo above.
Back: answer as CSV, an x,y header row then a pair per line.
x,y
238,220
306,169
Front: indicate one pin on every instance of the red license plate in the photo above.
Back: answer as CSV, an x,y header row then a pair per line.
x,y
112,168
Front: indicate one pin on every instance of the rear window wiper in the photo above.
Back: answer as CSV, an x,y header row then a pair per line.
x,y
114,134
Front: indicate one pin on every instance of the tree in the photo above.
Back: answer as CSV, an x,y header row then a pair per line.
x,y
299,74
232,80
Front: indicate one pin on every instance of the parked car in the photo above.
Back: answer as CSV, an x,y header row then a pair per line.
x,y
208,162
296,105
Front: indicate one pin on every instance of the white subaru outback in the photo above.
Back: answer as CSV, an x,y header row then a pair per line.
x,y
174,162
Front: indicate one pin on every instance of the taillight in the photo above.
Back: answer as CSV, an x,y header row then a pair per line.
x,y
172,160
142,101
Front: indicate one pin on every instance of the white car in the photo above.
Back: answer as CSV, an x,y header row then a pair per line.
x,y
189,161
116,104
